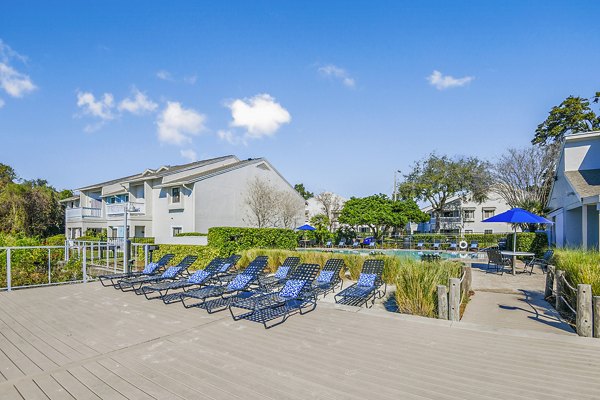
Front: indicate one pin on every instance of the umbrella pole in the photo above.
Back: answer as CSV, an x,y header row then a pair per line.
x,y
514,264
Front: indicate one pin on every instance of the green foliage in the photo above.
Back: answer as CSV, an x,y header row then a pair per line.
x,y
572,115
230,240
580,266
380,213
485,240
205,254
302,191
56,240
345,232
436,179
416,285
321,233
533,242
191,234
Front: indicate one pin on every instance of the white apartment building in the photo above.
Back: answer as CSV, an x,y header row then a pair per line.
x,y
169,200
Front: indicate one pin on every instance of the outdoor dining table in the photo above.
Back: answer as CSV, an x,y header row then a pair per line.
x,y
514,255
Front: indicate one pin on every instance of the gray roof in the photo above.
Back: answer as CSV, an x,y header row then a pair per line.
x,y
585,182
212,172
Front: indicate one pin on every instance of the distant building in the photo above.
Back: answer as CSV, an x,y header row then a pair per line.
x,y
169,200
465,216
335,203
574,201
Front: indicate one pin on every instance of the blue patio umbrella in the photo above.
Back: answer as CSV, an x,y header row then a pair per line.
x,y
518,216
306,227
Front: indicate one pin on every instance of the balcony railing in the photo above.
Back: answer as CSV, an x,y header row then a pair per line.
x,y
83,212
119,209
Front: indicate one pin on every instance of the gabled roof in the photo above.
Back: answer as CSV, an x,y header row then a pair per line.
x,y
212,172
585,182
159,172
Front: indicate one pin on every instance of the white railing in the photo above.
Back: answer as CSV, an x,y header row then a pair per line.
x,y
83,212
119,209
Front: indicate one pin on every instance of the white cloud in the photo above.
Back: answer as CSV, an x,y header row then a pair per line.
x,y
176,124
190,154
1,103
442,82
140,103
230,137
260,115
338,73
101,108
13,82
164,75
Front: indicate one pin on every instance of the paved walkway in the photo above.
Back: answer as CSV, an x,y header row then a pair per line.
x,y
507,301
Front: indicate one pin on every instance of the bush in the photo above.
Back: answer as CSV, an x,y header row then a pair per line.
x,y
532,242
580,266
56,240
228,241
205,254
191,234
483,239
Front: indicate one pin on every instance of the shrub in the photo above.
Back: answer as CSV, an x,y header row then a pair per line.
x,y
580,266
533,242
234,240
483,239
205,254
191,234
56,240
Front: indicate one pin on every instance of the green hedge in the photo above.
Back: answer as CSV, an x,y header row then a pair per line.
x,y
484,240
204,253
191,234
234,240
533,242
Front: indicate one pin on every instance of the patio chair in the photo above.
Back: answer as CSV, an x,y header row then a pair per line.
x,y
372,244
436,244
368,287
342,243
150,269
328,244
170,273
453,246
542,262
497,261
420,245
198,278
281,274
263,260
474,246
295,296
240,283
355,244
329,277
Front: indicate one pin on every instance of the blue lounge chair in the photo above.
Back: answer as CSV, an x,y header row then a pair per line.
x,y
342,243
436,244
355,244
328,244
474,246
453,246
420,245
280,275
329,277
150,269
295,296
368,287
170,273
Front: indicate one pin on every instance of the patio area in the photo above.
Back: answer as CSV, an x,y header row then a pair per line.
x,y
85,341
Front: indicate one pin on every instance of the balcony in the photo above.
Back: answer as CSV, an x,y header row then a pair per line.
x,y
447,222
83,212
119,209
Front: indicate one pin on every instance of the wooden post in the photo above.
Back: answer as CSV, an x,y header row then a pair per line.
x,y
454,300
468,280
559,290
549,281
442,296
596,315
584,310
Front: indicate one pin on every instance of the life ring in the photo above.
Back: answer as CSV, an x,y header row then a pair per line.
x,y
463,245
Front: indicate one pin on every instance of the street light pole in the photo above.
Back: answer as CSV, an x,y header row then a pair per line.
x,y
395,192
125,237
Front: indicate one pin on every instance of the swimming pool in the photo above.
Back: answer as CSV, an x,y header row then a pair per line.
x,y
412,254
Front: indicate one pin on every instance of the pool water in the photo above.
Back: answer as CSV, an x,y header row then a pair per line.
x,y
412,254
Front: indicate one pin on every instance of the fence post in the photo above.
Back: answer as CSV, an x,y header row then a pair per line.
x,y
559,290
596,316
442,296
549,281
584,310
468,279
454,299
8,274
49,268
66,250
84,265
145,255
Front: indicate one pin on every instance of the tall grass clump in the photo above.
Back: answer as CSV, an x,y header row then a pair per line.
x,y
416,285
580,266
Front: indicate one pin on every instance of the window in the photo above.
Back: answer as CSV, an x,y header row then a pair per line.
x,y
176,230
488,213
468,231
122,198
175,196
469,215
488,231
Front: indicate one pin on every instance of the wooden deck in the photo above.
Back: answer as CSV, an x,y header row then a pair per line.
x,y
84,341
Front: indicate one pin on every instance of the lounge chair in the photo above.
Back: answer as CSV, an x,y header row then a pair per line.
x,y
280,275
420,245
329,277
342,243
474,246
497,261
198,278
355,244
368,287
372,244
150,269
436,245
170,273
295,296
328,244
542,262
453,246
240,283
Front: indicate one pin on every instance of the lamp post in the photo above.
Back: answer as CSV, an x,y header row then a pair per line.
x,y
395,191
127,208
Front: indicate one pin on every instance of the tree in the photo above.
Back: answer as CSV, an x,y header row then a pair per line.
x,y
523,177
331,205
288,209
321,224
379,213
436,179
302,190
7,175
261,200
572,115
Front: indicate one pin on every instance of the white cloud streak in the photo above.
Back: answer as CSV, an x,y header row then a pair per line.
x,y
260,115
189,154
101,108
164,75
139,104
340,74
443,82
13,82
231,138
177,125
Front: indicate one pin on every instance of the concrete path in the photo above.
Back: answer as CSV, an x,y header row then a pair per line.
x,y
514,302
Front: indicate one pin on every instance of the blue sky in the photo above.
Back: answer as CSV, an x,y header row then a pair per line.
x,y
337,95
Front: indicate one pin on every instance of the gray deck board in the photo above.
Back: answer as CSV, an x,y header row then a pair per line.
x,y
86,341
